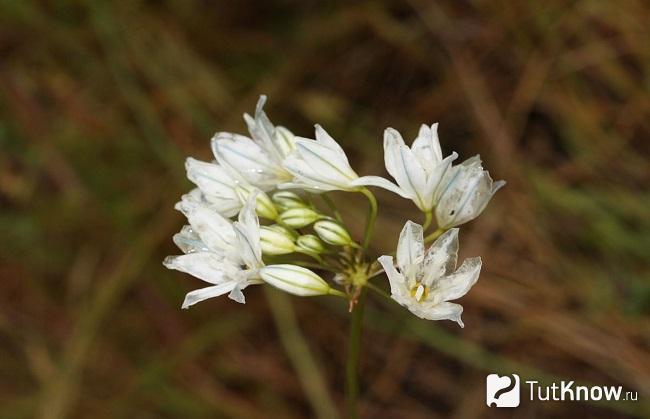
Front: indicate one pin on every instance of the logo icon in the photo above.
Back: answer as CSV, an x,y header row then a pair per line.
x,y
502,391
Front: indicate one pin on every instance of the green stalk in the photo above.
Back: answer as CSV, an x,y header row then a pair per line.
x,y
431,237
354,349
427,220
300,355
372,217
379,291
332,206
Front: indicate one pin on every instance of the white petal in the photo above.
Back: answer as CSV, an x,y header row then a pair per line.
x,y
216,184
380,182
441,257
284,140
237,295
263,131
392,142
247,158
442,311
323,138
459,283
474,161
248,233
436,178
325,162
199,295
410,250
427,145
498,185
404,167
303,186
465,196
398,286
305,177
214,230
188,241
196,197
207,266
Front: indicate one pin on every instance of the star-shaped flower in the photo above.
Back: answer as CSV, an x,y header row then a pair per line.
x,y
258,159
426,283
224,254
321,165
419,169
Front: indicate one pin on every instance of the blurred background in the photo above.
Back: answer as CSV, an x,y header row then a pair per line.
x,y
100,102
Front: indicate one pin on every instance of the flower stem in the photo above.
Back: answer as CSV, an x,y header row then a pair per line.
x,y
427,220
431,237
372,216
354,348
298,351
332,207
378,290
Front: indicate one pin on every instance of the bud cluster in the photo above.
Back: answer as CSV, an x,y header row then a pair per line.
x,y
301,228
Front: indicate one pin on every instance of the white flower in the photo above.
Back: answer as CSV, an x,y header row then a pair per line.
x,y
426,283
258,160
321,165
420,169
219,188
223,190
224,254
464,193
295,280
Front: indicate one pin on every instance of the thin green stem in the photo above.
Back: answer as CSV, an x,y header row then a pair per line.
x,y
431,237
337,293
311,265
378,290
427,220
354,348
332,206
299,354
372,217
315,256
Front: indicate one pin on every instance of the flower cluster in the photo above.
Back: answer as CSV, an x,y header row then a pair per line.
x,y
276,176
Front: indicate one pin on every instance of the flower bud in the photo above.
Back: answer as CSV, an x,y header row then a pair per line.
x,y
298,217
286,231
310,244
295,280
287,199
264,207
274,242
333,233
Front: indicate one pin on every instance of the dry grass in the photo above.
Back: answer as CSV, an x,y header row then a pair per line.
x,y
100,102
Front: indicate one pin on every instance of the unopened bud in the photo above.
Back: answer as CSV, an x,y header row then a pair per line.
x,y
310,244
274,242
298,217
333,233
286,231
295,280
264,207
286,200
